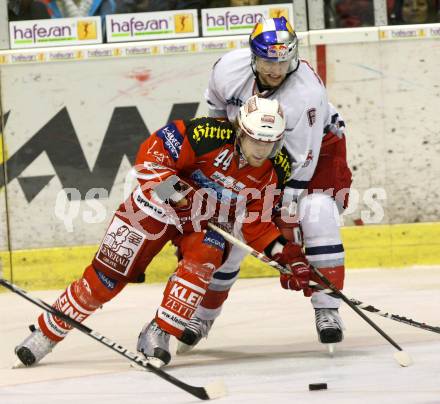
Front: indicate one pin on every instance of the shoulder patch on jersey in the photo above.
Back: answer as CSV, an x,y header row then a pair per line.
x,y
282,164
207,134
172,139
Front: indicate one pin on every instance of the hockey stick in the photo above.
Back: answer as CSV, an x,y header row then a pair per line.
x,y
382,313
250,250
401,356
395,317
213,390
362,305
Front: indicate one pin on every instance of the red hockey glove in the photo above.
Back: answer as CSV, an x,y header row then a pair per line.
x,y
293,258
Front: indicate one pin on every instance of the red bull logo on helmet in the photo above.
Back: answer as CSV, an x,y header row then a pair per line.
x,y
277,51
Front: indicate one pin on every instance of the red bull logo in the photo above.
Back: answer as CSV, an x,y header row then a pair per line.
x,y
277,51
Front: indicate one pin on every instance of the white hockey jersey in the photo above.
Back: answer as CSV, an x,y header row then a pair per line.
x,y
302,96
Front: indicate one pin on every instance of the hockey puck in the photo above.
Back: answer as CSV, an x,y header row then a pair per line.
x,y
318,386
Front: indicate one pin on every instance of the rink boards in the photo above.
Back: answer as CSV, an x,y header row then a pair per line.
x,y
74,117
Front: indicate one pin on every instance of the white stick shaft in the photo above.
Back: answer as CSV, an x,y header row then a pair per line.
x,y
231,238
249,249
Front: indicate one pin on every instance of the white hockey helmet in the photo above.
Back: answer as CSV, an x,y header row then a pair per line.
x,y
262,119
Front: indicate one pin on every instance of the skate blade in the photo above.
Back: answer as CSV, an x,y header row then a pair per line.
x,y
183,348
18,365
157,363
136,366
403,358
216,389
331,349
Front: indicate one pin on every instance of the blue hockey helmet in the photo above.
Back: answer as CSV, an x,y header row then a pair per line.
x,y
274,39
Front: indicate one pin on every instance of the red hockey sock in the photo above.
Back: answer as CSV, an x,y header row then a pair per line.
x,y
81,298
335,275
214,299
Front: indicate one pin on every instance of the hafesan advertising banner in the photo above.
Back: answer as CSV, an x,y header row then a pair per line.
x,y
398,32
149,26
55,32
241,20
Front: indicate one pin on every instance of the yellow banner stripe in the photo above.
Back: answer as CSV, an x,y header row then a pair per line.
x,y
386,246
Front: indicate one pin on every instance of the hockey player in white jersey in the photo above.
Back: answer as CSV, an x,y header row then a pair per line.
x,y
316,142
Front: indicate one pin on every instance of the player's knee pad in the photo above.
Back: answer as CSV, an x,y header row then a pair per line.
x,y
81,298
203,247
320,224
183,293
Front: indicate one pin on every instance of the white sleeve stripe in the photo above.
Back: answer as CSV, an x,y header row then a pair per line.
x,y
152,176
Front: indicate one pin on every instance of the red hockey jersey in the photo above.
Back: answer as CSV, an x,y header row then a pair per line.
x,y
203,153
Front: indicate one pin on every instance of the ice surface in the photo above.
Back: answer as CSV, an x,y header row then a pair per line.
x,y
264,347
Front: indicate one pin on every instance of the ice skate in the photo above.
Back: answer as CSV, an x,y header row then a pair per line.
x,y
34,348
153,343
194,331
329,327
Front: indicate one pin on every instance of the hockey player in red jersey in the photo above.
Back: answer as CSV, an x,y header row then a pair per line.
x,y
315,140
189,173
